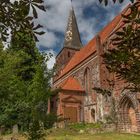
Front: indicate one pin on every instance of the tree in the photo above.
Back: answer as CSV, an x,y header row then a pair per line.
x,y
25,84
16,16
106,1
124,58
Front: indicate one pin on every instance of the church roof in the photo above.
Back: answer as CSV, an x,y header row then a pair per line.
x,y
80,56
90,48
72,35
72,84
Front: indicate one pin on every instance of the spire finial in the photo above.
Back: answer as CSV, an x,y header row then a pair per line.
x,y
71,5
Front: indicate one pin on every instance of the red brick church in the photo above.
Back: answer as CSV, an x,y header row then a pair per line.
x,y
80,69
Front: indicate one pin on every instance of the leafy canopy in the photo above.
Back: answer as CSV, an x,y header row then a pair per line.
x,y
124,58
16,16
106,1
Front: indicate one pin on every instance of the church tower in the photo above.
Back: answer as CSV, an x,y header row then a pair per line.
x,y
72,43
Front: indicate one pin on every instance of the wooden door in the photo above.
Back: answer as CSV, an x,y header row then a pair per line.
x,y
71,114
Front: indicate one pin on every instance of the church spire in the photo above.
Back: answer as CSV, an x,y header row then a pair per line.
x,y
72,35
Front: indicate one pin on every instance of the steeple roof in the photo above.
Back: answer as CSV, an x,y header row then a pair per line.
x,y
72,35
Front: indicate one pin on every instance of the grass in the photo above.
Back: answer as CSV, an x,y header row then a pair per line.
x,y
73,132
83,126
8,137
105,136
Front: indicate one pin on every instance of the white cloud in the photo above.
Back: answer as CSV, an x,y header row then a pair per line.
x,y
55,20
14,0
48,40
88,27
51,61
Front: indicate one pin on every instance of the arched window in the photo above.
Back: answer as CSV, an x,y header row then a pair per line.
x,y
93,114
68,54
87,80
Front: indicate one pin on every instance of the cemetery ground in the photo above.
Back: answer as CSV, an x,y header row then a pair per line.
x,y
80,132
103,136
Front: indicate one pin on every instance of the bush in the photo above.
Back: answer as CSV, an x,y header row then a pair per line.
x,y
36,131
84,126
49,121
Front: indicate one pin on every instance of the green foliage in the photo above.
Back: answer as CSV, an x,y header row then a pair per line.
x,y
16,16
99,136
106,93
25,79
106,1
50,119
124,59
25,85
84,126
36,131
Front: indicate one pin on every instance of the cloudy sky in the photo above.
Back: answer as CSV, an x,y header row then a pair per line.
x,y
91,18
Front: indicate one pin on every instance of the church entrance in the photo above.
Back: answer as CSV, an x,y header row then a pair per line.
x,y
93,114
70,113
128,115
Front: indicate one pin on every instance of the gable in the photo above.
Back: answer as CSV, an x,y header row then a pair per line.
x,y
71,99
72,84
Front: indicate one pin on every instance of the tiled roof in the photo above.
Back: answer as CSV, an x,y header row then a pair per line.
x,y
80,56
90,48
72,84
114,25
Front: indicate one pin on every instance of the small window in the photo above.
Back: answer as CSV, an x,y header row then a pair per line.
x,y
52,105
68,54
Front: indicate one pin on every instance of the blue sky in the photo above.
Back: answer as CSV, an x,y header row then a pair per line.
x,y
91,18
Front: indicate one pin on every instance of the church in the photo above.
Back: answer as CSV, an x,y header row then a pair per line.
x,y
80,69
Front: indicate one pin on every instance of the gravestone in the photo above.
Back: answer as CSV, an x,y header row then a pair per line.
x,y
15,129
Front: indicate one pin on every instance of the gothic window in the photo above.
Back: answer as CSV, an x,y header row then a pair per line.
x,y
68,54
57,102
52,105
87,80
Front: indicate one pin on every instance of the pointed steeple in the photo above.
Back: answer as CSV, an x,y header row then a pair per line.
x,y
72,43
72,35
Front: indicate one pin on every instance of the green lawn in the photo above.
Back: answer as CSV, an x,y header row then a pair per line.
x,y
106,136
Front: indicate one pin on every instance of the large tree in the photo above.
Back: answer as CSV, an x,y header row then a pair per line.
x,y
124,58
25,82
25,79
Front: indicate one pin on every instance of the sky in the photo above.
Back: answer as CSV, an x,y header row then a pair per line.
x,y
91,18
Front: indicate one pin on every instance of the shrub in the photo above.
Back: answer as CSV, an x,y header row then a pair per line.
x,y
36,131
49,121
